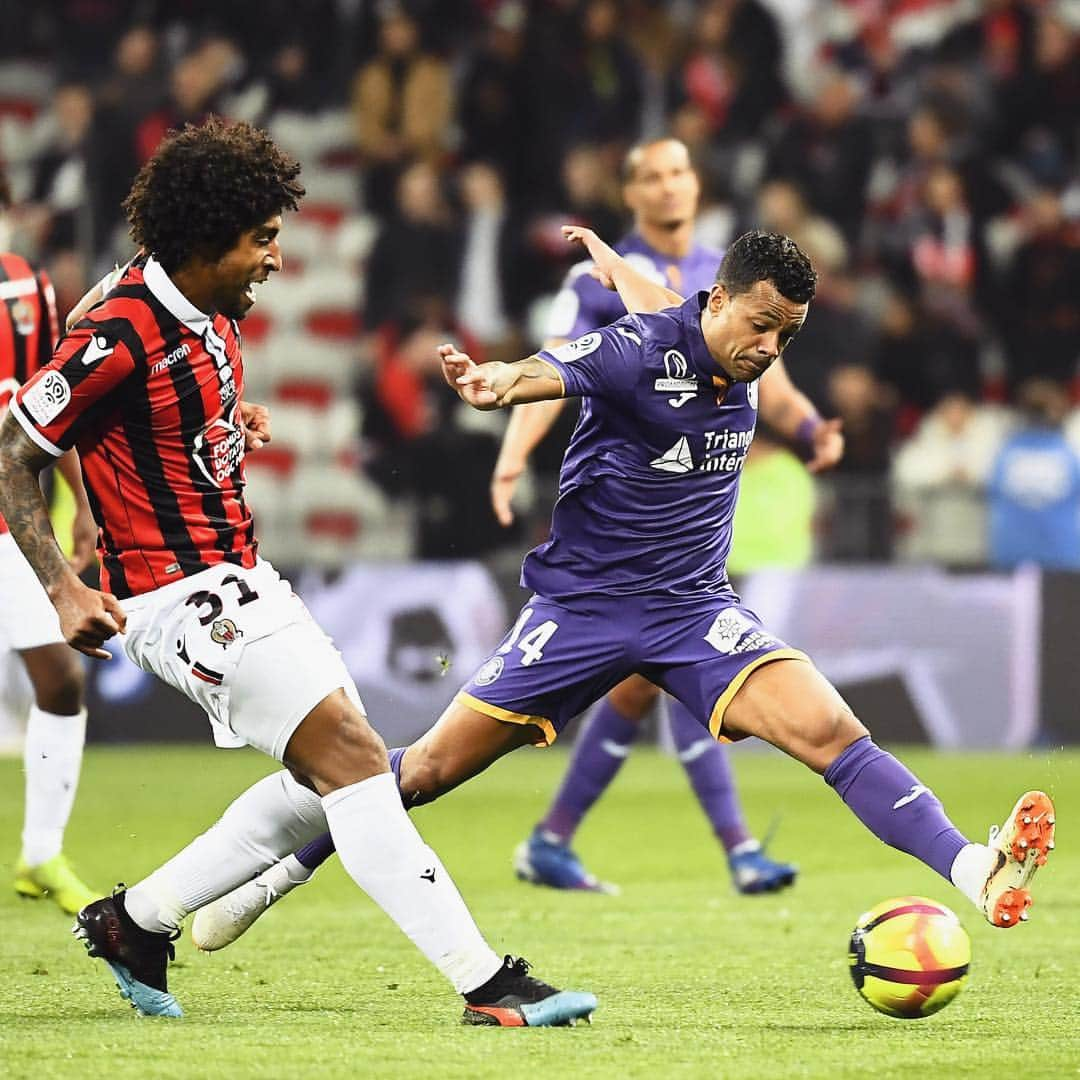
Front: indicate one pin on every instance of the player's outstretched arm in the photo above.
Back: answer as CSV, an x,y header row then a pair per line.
x,y
88,618
789,412
496,385
635,290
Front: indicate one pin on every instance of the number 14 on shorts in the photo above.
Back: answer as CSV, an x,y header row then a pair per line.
x,y
532,644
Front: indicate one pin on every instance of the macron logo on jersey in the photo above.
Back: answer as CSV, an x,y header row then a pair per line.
x,y
97,348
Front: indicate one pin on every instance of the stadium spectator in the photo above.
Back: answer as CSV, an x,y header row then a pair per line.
x,y
1034,487
401,103
940,478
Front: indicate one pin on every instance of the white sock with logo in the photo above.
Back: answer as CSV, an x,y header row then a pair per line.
x,y
970,869
52,758
268,821
385,855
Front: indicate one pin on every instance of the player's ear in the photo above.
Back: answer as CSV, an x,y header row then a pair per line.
x,y
719,298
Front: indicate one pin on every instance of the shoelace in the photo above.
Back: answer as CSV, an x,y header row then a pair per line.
x,y
516,965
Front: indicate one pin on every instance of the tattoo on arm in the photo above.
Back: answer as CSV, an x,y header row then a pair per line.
x,y
23,504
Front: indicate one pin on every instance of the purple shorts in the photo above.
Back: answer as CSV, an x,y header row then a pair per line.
x,y
558,659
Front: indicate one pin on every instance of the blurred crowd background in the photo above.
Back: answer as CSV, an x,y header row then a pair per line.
x,y
924,152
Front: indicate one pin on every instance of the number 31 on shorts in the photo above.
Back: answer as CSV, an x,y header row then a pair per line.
x,y
532,644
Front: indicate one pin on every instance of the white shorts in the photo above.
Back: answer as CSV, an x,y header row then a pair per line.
x,y
27,617
242,645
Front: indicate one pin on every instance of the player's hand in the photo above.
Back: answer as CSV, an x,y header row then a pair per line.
x,y
504,481
256,420
604,257
88,618
827,446
84,534
477,385
96,293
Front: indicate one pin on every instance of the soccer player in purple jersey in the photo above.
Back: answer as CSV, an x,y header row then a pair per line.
x,y
632,578
662,189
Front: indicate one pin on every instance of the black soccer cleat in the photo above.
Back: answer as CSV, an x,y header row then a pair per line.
x,y
513,998
137,957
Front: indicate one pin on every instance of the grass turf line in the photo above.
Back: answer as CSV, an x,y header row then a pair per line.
x,y
693,980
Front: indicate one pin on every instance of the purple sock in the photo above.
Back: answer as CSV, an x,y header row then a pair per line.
x,y
315,853
894,806
601,748
707,764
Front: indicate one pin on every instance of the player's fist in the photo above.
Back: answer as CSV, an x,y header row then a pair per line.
x,y
88,618
827,446
256,420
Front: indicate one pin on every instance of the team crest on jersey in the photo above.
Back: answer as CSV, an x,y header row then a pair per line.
x,y
752,393
23,317
47,398
489,672
218,449
224,632
575,350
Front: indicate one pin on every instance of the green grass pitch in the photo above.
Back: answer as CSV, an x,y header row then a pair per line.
x,y
692,979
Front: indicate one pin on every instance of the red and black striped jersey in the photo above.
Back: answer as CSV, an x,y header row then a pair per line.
x,y
148,388
28,326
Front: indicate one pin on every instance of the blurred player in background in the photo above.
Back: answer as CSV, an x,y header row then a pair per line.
x,y
149,386
56,725
633,577
662,190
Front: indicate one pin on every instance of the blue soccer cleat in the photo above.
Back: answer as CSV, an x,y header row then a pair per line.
x,y
136,957
752,871
514,998
544,859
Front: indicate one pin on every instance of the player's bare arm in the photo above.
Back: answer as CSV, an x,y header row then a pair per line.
x,y
87,617
635,290
94,295
496,385
789,412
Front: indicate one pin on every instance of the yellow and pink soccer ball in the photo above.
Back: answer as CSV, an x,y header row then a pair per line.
x,y
909,956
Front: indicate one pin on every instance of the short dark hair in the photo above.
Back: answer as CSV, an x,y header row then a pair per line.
x,y
205,186
761,256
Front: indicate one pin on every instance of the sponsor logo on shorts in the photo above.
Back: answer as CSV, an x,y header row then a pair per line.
x,y
489,672
224,632
47,398
733,632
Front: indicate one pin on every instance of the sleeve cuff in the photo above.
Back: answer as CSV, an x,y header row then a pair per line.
x,y
27,425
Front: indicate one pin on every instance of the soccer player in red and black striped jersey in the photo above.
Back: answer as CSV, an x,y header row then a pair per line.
x,y
148,386
56,723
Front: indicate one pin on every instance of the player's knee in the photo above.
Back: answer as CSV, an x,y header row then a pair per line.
x,y
633,697
424,776
832,728
347,748
62,692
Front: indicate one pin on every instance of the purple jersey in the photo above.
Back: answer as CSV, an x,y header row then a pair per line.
x,y
648,486
583,304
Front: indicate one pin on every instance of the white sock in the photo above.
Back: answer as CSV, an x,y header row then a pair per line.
x,y
297,872
271,819
385,855
970,869
52,757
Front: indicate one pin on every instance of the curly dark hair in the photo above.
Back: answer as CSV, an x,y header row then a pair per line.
x,y
204,186
761,256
